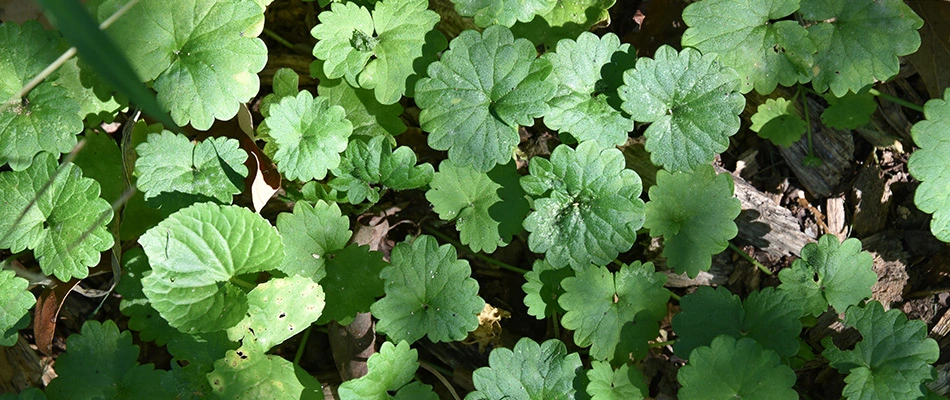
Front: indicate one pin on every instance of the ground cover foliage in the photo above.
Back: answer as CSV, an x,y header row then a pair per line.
x,y
419,199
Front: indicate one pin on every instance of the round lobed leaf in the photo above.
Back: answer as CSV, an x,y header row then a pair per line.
x,y
777,121
527,372
390,369
310,235
829,272
502,12
16,300
743,370
309,135
241,375
930,165
277,310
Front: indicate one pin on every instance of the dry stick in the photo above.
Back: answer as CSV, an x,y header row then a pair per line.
x,y
441,378
45,73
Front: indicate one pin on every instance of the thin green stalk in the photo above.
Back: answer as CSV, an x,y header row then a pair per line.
x,y
439,374
242,283
896,100
661,344
749,258
279,39
675,296
303,345
811,146
479,256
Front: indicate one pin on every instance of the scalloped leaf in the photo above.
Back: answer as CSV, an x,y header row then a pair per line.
x,y
599,302
777,121
502,12
485,86
586,207
487,208
691,101
286,83
892,360
695,213
277,310
743,370
101,363
829,272
65,226
390,370
17,301
135,305
171,164
929,164
47,119
851,111
197,255
309,134
567,19
530,371
429,292
242,375
768,316
859,41
624,383
193,49
369,117
749,39
311,234
581,105
352,283
373,162
543,287
374,51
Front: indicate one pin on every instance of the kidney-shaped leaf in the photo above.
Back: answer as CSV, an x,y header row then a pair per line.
x,y
829,272
528,372
742,370
692,102
277,310
586,207
389,370
16,300
65,226
197,255
485,86
931,164
309,134
249,376
502,12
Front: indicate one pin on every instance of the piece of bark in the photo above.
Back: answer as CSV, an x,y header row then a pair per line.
x,y
834,211
20,368
871,197
890,265
352,345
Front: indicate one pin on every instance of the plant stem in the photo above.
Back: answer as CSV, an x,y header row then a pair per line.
x,y
749,258
303,345
811,147
431,368
242,283
479,256
675,296
661,344
279,39
896,100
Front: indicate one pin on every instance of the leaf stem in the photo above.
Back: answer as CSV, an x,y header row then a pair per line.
x,y
895,99
242,283
432,368
749,258
661,344
675,296
302,346
811,146
279,39
479,256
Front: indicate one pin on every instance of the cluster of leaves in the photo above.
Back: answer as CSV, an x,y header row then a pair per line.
x,y
221,286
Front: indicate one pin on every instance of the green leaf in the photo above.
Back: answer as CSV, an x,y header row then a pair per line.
x,y
194,49
695,213
777,121
47,119
16,300
369,117
309,135
851,111
285,84
859,41
352,283
277,310
429,292
374,51
749,38
135,305
502,12
893,358
768,316
171,163
310,235
65,226
84,90
372,162
31,393
599,302
580,106
197,254
487,208
486,86
389,370
530,372
543,287
742,370
567,19
242,375
621,384
692,102
586,207
101,160
930,166
101,363
829,272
